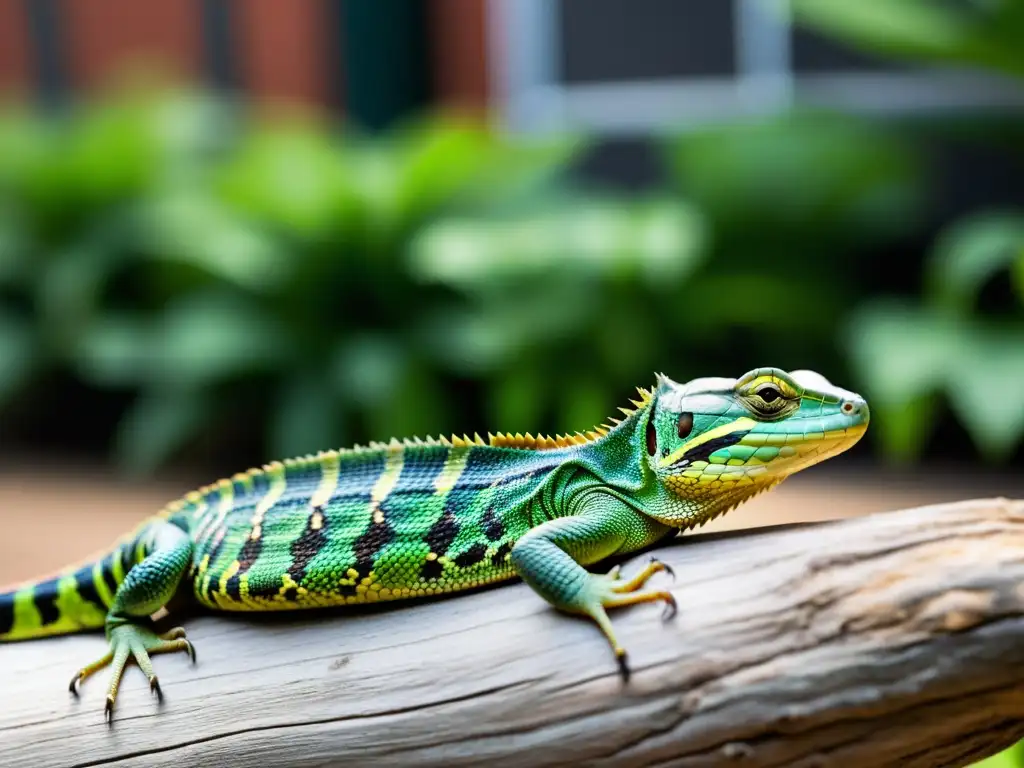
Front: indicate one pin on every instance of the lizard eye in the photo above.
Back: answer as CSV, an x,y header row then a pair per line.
x,y
768,393
685,425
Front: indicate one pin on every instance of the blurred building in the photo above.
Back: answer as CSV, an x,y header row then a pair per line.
x,y
603,65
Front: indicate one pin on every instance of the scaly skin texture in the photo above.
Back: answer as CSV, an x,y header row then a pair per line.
x,y
406,519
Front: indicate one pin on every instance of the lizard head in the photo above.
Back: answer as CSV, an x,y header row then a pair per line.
x,y
715,442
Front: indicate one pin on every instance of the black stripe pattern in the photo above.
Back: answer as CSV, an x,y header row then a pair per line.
x,y
439,538
703,451
377,536
306,547
87,588
6,613
250,552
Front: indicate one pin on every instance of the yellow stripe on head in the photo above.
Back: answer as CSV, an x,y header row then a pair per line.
x,y
741,424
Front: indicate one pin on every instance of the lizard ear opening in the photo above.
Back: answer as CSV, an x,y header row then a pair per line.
x,y
652,436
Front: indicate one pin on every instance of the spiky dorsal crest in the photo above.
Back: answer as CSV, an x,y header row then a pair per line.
x,y
498,440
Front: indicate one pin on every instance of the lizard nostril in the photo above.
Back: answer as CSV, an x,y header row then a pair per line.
x,y
848,407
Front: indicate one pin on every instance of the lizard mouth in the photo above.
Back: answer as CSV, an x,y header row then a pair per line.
x,y
800,442
775,449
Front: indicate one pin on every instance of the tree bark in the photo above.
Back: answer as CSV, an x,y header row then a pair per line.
x,y
895,639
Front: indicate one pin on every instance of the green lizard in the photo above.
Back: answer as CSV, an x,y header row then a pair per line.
x,y
412,518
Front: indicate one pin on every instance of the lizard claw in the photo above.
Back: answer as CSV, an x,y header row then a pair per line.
x,y
667,567
671,607
623,666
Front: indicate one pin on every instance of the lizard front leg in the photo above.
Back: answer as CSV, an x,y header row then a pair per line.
x,y
146,588
550,558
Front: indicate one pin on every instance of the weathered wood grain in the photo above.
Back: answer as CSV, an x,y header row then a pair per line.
x,y
894,639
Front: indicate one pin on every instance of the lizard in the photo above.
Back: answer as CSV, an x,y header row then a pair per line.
x,y
419,517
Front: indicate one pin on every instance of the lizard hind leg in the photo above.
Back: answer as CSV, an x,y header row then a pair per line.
x,y
146,588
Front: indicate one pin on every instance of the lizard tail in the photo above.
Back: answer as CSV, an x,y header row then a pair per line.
x,y
75,600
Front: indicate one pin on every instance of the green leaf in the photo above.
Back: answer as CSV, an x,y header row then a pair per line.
x,y
902,356
418,405
981,34
984,388
431,165
212,336
903,428
71,284
656,241
717,302
191,228
115,350
18,354
367,369
800,175
156,426
293,177
517,400
440,160
305,419
200,339
905,356
18,255
508,325
918,28
970,252
584,404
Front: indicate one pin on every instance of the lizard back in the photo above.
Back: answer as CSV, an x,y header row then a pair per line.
x,y
397,521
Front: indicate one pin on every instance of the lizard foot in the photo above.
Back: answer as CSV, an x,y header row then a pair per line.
x,y
609,591
653,566
131,640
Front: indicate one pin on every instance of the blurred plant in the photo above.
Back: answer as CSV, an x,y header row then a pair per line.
x,y
212,268
229,280
792,201
213,271
980,33
307,288
909,355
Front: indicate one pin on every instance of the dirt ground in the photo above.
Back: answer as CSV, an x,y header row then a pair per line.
x,y
55,516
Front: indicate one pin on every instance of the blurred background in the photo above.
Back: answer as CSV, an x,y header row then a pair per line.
x,y
233,231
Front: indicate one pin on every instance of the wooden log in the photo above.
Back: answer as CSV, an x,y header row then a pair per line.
x,y
890,640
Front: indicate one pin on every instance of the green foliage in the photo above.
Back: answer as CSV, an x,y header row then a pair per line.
x,y
914,356
977,34
213,268
945,347
909,354
320,287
